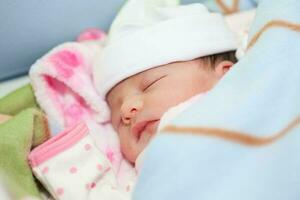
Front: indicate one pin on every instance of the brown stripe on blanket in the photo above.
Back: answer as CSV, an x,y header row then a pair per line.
x,y
225,8
234,136
272,24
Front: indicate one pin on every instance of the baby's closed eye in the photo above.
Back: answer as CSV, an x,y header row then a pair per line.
x,y
151,83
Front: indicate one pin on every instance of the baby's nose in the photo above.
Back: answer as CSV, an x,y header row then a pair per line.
x,y
130,109
128,116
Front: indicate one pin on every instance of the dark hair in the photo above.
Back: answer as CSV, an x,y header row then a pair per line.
x,y
214,59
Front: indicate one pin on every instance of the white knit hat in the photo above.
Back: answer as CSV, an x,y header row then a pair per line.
x,y
150,33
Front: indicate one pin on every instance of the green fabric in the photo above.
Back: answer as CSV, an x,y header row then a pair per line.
x,y
18,100
17,137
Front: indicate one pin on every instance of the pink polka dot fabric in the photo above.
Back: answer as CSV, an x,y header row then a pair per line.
x,y
71,166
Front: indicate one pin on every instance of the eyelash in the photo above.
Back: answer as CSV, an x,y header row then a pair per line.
x,y
153,82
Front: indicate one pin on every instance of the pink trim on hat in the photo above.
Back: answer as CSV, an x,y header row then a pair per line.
x,y
57,144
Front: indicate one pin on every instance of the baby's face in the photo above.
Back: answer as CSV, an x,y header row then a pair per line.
x,y
138,103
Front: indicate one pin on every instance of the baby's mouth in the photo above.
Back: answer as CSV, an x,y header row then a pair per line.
x,y
140,127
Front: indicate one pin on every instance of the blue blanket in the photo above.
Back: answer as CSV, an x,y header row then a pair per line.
x,y
242,140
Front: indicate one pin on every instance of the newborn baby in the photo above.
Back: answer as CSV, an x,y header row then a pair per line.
x,y
156,61
138,102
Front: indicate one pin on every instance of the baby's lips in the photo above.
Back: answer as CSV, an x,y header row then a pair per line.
x,y
139,127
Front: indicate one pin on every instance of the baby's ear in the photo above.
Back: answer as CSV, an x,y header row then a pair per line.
x,y
223,67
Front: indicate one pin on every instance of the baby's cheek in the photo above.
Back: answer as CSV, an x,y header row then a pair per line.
x,y
171,97
114,125
124,137
158,102
113,118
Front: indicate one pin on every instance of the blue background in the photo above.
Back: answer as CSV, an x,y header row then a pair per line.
x,y
30,28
